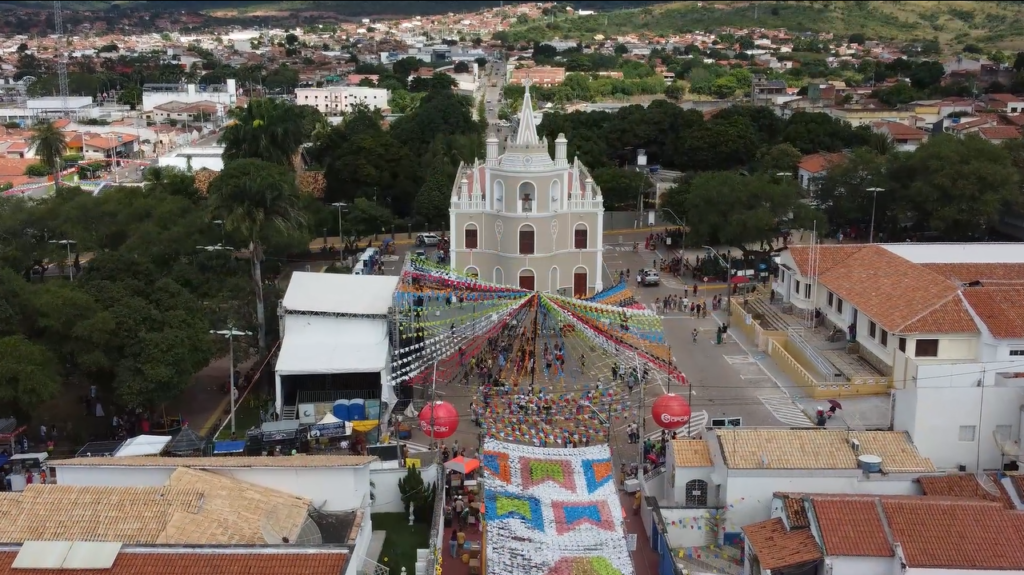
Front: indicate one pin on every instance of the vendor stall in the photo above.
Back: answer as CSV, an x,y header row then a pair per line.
x,y
276,437
236,447
143,445
187,443
25,468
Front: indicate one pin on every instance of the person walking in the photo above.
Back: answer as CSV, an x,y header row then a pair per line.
x,y
695,336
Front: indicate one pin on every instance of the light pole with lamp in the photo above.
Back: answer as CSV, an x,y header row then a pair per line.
x,y
341,247
71,267
874,200
681,223
728,281
230,333
220,224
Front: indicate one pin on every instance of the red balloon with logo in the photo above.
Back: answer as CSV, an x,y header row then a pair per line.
x,y
670,411
439,420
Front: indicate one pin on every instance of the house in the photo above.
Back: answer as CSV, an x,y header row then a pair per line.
x,y
941,321
184,111
109,145
904,138
1006,103
999,134
339,100
884,535
524,218
858,116
738,470
814,167
545,76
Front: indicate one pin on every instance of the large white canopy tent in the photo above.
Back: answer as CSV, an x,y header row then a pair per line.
x,y
143,445
335,324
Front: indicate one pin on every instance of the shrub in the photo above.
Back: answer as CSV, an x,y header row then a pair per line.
x,y
37,170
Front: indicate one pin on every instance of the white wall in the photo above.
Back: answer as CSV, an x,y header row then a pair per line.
x,y
861,565
747,495
920,571
329,488
387,497
685,532
682,475
190,96
362,544
198,162
945,397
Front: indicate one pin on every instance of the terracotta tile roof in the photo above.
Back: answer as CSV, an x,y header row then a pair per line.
x,y
999,309
220,462
691,453
851,527
827,257
196,507
817,163
985,273
874,277
178,562
900,131
1000,132
966,486
818,449
950,316
777,548
10,167
956,535
796,513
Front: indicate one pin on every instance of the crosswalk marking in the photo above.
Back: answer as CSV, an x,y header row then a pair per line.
x,y
735,359
698,421
416,447
786,410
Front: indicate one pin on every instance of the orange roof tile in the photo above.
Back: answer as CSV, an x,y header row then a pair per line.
x,y
777,548
999,308
951,535
816,163
950,316
1000,132
827,257
187,563
851,527
796,513
967,486
874,278
11,167
963,273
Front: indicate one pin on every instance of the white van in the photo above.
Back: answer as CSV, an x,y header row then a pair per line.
x,y
359,270
368,253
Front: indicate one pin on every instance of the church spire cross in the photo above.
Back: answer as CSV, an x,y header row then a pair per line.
x,y
526,135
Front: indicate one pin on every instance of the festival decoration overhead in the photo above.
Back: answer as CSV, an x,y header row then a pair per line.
x,y
552,511
439,420
670,411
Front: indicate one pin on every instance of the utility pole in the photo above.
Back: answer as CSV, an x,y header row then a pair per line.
x,y
536,342
641,416
230,333
433,396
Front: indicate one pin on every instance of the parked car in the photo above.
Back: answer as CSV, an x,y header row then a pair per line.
x,y
427,240
651,277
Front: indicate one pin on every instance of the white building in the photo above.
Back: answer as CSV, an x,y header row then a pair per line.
x,y
338,100
158,94
944,321
737,471
194,158
336,343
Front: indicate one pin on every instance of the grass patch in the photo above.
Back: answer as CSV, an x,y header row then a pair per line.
x,y
247,414
402,540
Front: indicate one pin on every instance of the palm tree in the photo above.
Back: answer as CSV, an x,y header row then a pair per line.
x,y
50,146
266,129
250,196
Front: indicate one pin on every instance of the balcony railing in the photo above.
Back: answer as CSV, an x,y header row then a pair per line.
x,y
469,204
585,204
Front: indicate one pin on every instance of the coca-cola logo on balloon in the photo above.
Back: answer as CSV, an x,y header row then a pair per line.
x,y
670,411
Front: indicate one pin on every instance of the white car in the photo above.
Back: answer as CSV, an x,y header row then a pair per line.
x,y
650,277
427,240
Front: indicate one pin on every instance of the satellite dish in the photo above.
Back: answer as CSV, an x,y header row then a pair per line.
x,y
986,483
276,519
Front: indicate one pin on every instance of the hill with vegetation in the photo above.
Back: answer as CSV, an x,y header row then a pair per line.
x,y
343,8
952,24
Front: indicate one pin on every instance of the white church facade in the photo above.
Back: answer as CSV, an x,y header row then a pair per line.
x,y
526,219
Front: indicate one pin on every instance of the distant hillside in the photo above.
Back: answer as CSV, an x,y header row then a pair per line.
x,y
343,8
952,23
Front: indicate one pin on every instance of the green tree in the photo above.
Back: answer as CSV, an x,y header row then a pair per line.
x,y
365,219
675,91
50,146
957,187
130,96
779,159
251,196
28,373
291,39
842,192
417,493
266,129
435,196
620,187
746,212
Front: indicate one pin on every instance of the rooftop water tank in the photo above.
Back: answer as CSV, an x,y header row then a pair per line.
x,y
870,463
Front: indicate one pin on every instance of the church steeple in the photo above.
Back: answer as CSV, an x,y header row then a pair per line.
x,y
526,134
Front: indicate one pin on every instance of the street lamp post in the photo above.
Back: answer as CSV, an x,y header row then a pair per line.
x,y
681,223
874,201
230,334
71,267
340,206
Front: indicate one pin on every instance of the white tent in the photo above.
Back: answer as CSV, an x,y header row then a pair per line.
x,y
143,445
339,294
323,345
329,418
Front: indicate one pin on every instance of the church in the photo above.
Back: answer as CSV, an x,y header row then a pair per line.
x,y
525,219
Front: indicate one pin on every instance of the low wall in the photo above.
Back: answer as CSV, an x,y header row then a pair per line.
x,y
779,352
689,526
386,496
751,328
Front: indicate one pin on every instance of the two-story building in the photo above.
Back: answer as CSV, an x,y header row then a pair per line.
x,y
524,218
338,100
944,321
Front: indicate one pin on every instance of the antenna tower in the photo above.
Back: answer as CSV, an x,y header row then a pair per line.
x,y
62,59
